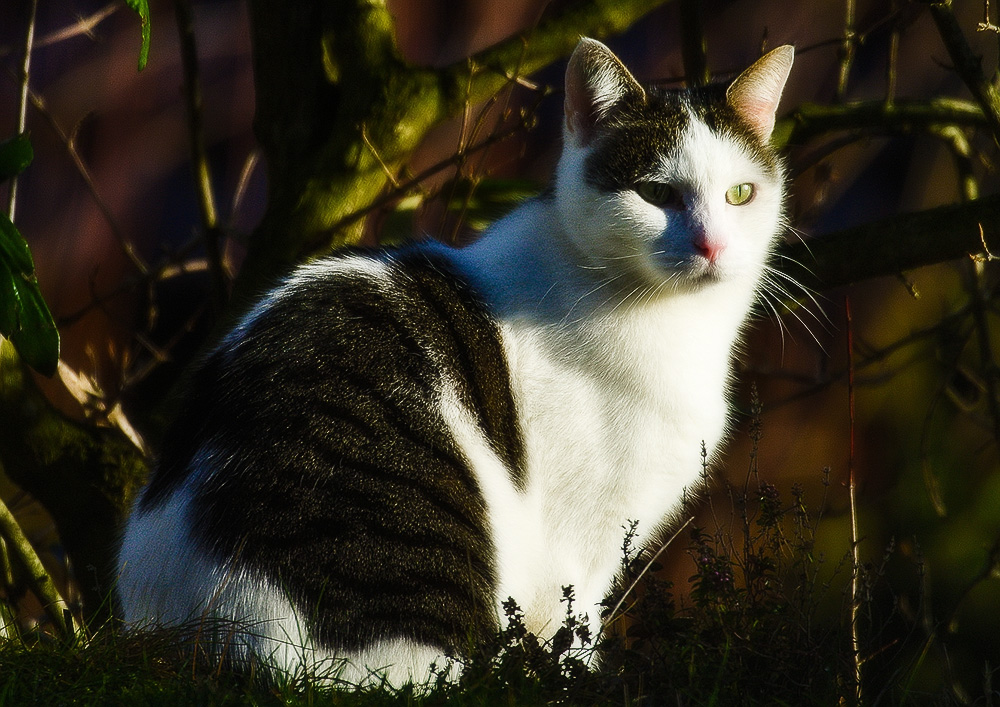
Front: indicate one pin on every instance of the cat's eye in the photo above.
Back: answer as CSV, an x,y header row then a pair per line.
x,y
740,194
659,194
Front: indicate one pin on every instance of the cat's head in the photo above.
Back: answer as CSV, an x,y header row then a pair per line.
x,y
670,189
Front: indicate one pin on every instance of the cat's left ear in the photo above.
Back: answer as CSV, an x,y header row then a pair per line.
x,y
756,92
596,82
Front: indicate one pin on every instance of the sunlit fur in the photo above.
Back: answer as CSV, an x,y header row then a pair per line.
x,y
618,334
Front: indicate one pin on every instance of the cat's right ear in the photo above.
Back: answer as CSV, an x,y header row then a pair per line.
x,y
596,81
756,92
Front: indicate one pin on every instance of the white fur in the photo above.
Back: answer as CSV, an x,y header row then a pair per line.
x,y
619,367
167,580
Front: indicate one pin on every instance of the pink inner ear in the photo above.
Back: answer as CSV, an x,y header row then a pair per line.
x,y
579,111
759,114
756,92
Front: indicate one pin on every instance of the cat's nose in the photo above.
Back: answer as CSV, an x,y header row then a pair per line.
x,y
708,245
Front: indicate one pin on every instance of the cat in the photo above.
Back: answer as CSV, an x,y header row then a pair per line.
x,y
391,444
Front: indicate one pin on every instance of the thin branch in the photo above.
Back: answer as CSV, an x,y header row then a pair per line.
x,y
846,51
892,61
411,183
893,245
550,40
69,143
38,578
851,486
694,45
810,120
22,108
211,232
968,65
83,26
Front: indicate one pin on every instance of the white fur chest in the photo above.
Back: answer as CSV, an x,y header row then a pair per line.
x,y
614,423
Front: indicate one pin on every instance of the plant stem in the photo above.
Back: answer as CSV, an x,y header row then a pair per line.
x,y
39,580
22,111
855,550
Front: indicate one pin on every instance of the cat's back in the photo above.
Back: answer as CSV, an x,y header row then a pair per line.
x,y
312,454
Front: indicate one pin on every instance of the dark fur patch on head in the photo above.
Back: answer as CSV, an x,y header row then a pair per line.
x,y
640,132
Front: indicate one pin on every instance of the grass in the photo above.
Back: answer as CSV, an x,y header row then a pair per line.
x,y
762,619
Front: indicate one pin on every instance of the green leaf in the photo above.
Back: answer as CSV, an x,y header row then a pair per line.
x,y
37,339
15,155
141,7
13,248
25,319
9,302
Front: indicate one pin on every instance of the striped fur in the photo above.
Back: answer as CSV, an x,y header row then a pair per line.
x,y
392,444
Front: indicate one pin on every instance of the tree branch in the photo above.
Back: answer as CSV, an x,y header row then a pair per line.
x,y
809,121
85,476
38,578
325,71
968,65
490,70
211,233
893,245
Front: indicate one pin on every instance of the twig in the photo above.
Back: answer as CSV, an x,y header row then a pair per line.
x,y
694,45
211,233
892,245
83,25
986,25
846,51
967,65
649,565
810,120
977,292
69,143
855,551
39,580
22,108
414,181
890,69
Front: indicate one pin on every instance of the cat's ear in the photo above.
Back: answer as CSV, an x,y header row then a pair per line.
x,y
755,93
596,82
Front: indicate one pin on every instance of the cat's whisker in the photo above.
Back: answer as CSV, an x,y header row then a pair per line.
x,y
603,284
770,287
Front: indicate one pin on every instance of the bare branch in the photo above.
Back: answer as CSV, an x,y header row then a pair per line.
x,y
846,51
894,245
810,120
552,39
211,233
22,109
38,578
694,46
968,65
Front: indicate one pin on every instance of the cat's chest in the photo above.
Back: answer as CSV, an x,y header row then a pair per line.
x,y
628,408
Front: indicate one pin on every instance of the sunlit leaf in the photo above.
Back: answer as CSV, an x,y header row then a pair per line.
x,y
15,155
25,319
13,248
37,339
141,7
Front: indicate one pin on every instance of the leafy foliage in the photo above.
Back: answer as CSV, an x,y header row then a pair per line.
x,y
24,317
752,627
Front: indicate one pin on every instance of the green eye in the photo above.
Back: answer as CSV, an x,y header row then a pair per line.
x,y
659,194
740,194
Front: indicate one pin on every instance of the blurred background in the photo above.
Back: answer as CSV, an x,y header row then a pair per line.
x,y
110,194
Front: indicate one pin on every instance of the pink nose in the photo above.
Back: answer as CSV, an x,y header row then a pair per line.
x,y
709,247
